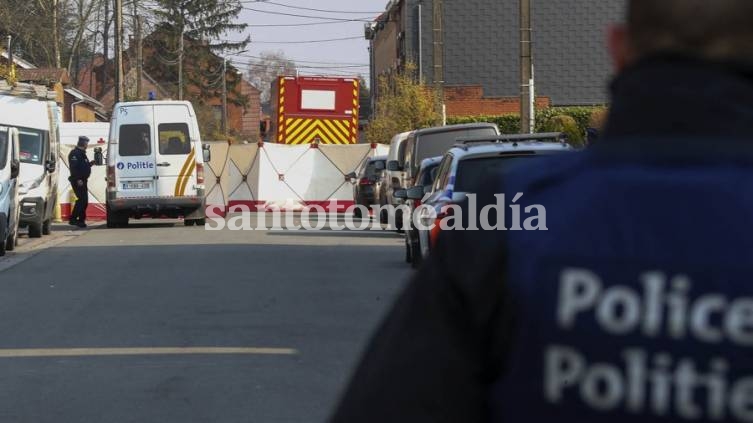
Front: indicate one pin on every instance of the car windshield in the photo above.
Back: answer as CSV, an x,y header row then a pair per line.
x,y
31,145
370,170
471,173
437,144
3,147
428,174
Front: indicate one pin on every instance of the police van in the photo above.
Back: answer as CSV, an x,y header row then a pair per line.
x,y
155,163
10,167
38,123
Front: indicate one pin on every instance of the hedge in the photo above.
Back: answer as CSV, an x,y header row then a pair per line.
x,y
510,124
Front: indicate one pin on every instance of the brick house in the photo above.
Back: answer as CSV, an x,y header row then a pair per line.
x,y
481,50
96,79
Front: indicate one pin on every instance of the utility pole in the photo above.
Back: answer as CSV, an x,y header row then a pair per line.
x,y
224,96
438,35
56,34
119,83
139,57
180,62
527,111
105,50
10,55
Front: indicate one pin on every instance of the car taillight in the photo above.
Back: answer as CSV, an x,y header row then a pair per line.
x,y
110,176
365,181
434,234
199,173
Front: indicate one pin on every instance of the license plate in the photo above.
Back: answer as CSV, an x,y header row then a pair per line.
x,y
137,185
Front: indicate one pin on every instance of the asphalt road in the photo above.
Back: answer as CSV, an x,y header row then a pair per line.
x,y
163,323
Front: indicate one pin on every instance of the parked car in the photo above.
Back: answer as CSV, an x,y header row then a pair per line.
x,y
155,163
394,178
430,142
38,124
468,165
10,167
366,190
424,182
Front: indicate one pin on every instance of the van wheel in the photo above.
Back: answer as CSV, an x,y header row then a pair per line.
x,y
3,228
408,250
35,230
116,219
47,227
10,243
188,222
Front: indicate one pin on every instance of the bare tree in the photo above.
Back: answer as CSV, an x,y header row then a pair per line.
x,y
264,71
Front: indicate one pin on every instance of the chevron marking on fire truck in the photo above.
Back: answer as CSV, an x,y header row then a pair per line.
x,y
281,113
325,131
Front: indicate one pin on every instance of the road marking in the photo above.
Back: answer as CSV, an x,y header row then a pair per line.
x,y
95,352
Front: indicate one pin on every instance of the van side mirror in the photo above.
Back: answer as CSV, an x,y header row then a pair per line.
x,y
49,166
393,166
99,157
15,169
207,152
415,193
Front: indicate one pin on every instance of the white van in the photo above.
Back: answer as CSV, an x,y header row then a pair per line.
x,y
10,167
38,124
155,163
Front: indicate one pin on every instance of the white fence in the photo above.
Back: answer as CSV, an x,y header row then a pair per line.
x,y
260,177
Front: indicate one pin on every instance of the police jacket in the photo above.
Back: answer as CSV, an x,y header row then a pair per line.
x,y
79,164
636,305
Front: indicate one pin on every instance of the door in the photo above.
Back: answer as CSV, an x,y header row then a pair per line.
x,y
135,167
176,157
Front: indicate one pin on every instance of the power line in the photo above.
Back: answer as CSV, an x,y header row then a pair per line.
x,y
316,10
298,61
304,24
307,41
326,18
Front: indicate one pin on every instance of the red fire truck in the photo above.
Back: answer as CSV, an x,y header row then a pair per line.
x,y
315,110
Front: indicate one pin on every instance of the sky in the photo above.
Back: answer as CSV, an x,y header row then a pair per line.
x,y
336,19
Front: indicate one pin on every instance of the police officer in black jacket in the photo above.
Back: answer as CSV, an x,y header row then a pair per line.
x,y
636,303
80,168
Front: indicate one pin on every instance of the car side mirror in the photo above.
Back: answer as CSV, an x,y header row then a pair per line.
x,y
415,193
99,157
379,166
49,166
458,197
393,166
207,152
15,169
401,194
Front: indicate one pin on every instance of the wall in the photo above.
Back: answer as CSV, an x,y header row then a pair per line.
x,y
470,101
481,46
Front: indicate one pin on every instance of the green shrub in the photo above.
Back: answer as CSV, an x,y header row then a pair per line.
x,y
510,124
566,124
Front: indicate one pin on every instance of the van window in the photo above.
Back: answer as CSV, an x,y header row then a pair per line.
x,y
135,140
31,145
437,143
4,143
174,139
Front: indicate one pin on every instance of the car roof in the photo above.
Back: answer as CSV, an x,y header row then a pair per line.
x,y
377,158
491,148
431,161
450,128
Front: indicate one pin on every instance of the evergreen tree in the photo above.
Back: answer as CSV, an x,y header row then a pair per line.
x,y
205,25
